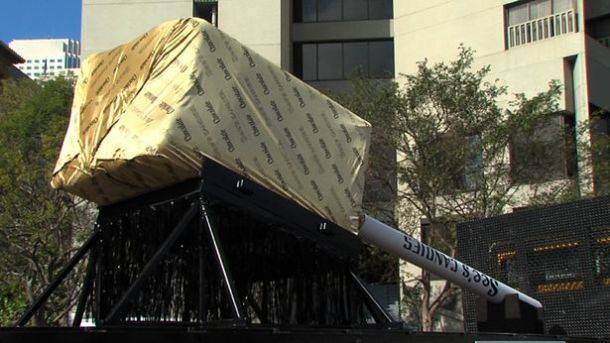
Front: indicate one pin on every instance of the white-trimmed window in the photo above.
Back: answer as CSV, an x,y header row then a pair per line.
x,y
535,20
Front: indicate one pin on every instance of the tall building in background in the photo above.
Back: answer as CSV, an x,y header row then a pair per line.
x,y
47,58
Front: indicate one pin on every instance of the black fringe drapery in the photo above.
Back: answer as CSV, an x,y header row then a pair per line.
x,y
280,279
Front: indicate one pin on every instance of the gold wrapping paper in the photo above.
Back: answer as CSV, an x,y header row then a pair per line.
x,y
147,113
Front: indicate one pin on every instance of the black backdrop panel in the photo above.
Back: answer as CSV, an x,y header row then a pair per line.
x,y
560,255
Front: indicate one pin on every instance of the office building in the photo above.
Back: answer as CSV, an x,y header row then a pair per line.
x,y
47,58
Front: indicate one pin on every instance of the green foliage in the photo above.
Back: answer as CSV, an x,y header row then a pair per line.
x,y
12,303
39,227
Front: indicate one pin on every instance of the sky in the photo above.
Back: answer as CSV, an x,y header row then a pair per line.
x,y
22,19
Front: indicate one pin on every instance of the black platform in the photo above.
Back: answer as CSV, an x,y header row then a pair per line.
x,y
260,335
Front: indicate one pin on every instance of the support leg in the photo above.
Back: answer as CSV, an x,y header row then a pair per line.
x,y
380,315
86,291
203,308
58,280
236,305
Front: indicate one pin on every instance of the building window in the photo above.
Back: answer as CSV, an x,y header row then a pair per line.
x,y
544,153
312,11
342,60
207,10
600,30
539,19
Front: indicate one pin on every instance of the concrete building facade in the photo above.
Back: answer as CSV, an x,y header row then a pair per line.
x,y
527,43
287,32
47,58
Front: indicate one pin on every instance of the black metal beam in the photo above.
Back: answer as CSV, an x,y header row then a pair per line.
x,y
86,290
99,268
58,279
236,305
202,277
380,315
152,264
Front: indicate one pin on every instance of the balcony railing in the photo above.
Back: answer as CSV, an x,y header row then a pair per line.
x,y
605,41
542,28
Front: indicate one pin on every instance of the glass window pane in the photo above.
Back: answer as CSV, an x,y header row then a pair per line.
x,y
380,9
381,59
329,10
355,9
310,64
562,5
330,61
602,28
540,9
355,59
518,14
309,11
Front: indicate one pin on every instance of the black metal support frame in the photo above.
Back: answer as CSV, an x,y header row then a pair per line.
x,y
225,186
58,279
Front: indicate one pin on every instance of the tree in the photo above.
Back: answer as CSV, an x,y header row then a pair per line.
x,y
39,227
460,155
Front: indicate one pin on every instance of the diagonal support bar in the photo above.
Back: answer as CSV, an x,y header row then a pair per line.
x,y
58,279
237,306
380,315
152,264
86,291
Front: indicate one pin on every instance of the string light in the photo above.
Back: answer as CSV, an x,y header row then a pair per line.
x,y
556,246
